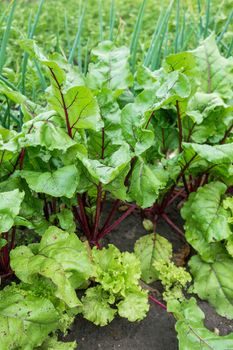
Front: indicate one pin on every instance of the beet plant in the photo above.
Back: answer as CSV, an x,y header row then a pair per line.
x,y
108,139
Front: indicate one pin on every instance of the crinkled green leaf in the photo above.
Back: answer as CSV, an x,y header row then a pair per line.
x,y
149,249
173,279
10,203
117,186
135,306
213,282
61,257
134,118
214,72
220,154
210,116
205,216
174,86
181,61
54,344
146,182
26,319
111,68
66,220
61,182
96,308
109,168
192,334
146,79
67,75
116,271
45,133
76,101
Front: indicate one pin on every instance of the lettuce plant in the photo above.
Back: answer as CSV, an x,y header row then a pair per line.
x,y
45,300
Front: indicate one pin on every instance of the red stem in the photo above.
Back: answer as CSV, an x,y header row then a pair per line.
x,y
5,275
185,184
77,216
167,197
178,193
111,214
148,122
154,300
171,223
227,133
21,158
83,216
13,233
117,222
98,211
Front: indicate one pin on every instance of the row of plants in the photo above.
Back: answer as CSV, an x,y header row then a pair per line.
x,y
76,29
109,137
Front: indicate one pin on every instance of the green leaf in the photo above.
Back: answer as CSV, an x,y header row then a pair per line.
x,y
216,160
69,96
135,306
67,75
173,279
214,72
62,182
229,245
117,186
29,109
111,68
192,333
66,220
213,282
82,108
174,86
182,61
56,259
3,242
134,118
96,308
54,344
10,203
210,115
116,271
220,154
206,218
108,169
149,249
43,132
146,182
26,319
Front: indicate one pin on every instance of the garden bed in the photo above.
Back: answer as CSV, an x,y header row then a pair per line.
x,y
157,330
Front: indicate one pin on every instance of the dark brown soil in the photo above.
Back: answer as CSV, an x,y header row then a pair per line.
x,y
157,330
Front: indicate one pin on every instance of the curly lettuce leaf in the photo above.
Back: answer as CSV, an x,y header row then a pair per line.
x,y
134,306
60,257
96,308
